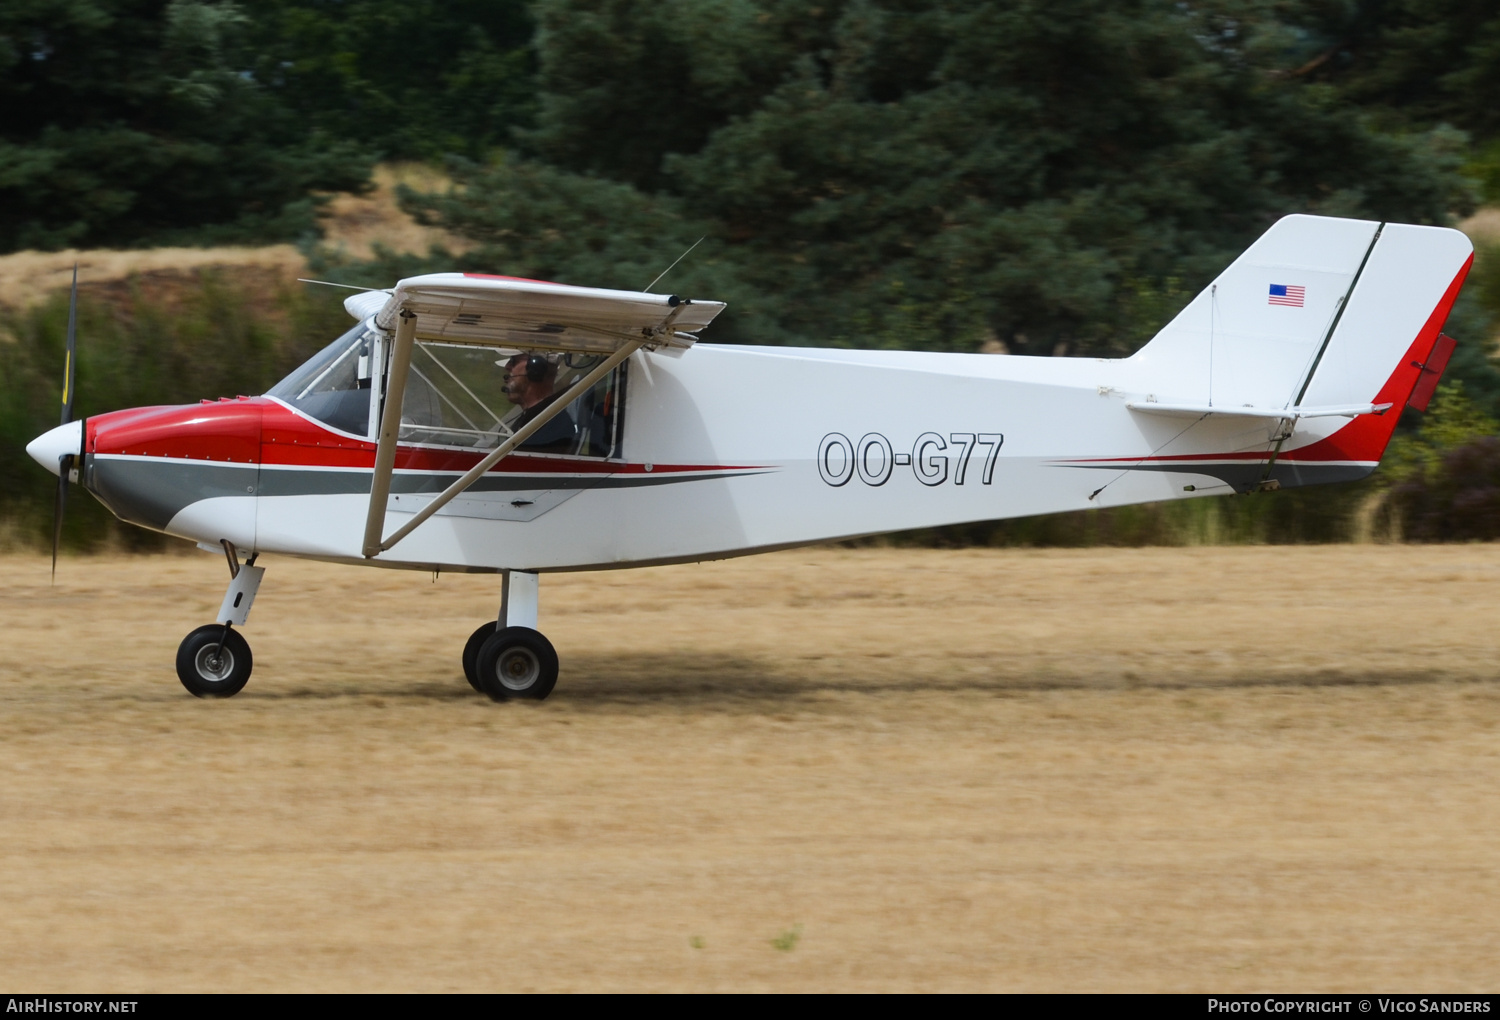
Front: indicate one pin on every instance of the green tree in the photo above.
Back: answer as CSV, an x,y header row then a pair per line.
x,y
1428,61
410,79
131,122
140,122
933,173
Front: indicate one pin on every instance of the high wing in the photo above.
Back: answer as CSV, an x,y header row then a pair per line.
x,y
536,315
472,308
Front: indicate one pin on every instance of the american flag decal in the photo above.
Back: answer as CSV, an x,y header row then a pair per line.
x,y
1287,294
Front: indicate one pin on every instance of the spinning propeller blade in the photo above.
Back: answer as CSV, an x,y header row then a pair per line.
x,y
70,370
70,380
57,511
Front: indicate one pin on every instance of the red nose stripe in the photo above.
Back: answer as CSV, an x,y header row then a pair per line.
x,y
226,432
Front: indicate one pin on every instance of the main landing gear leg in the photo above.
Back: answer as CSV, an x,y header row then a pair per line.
x,y
214,661
509,658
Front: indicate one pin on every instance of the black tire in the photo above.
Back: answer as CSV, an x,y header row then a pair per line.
x,y
516,662
471,653
207,675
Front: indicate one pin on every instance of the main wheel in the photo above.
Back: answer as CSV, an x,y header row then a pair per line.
x,y
212,663
471,653
516,662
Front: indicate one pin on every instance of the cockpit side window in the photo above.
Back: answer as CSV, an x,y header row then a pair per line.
x,y
334,385
460,395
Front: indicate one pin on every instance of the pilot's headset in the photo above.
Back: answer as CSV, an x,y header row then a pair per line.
x,y
537,366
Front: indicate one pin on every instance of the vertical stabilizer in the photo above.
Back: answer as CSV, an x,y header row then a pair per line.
x,y
1253,336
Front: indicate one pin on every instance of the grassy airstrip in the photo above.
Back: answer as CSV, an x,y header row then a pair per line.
x,y
1253,768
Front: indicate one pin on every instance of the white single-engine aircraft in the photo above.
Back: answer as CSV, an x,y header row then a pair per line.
x,y
487,423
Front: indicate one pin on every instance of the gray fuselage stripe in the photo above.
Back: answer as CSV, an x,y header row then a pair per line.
x,y
150,491
282,482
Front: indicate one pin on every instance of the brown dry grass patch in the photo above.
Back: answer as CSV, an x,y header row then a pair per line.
x,y
352,227
30,277
1483,226
1164,769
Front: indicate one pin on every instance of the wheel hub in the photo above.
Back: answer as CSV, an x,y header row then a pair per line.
x,y
517,669
214,664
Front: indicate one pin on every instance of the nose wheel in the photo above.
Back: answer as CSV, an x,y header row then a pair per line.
x,y
214,662
516,662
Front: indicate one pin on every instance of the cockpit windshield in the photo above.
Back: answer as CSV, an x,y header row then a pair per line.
x,y
334,385
463,396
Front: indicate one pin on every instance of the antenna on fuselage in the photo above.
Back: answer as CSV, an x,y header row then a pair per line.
x,y
667,270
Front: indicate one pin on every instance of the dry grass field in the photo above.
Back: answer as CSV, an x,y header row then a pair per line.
x,y
352,227
1198,769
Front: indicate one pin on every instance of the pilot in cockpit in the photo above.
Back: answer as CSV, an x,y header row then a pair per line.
x,y
530,384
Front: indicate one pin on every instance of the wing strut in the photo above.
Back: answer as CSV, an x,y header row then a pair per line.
x,y
390,429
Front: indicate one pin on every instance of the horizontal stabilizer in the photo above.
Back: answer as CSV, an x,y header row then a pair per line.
x,y
1290,413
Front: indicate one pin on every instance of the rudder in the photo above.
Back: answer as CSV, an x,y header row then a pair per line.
x,y
1394,314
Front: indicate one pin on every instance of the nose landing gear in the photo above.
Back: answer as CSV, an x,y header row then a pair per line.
x,y
214,661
